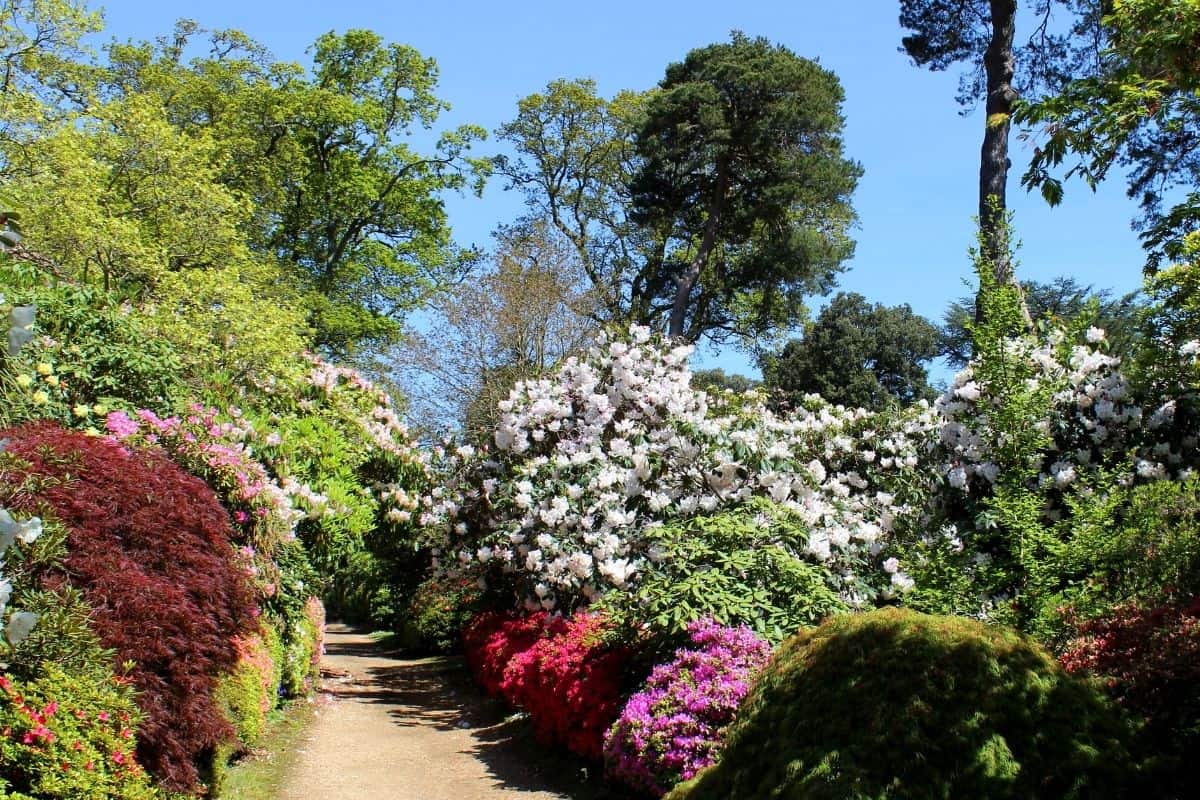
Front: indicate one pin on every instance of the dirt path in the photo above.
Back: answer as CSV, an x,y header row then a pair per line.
x,y
396,729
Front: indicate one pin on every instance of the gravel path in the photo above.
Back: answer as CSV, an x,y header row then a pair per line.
x,y
399,729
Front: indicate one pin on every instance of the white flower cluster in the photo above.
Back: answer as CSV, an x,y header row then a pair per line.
x,y
1090,417
27,531
617,441
380,422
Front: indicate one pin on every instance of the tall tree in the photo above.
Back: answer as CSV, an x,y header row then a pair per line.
x,y
856,354
1062,301
1142,112
742,174
574,158
982,34
341,195
532,309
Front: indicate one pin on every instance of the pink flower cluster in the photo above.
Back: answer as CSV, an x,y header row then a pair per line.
x,y
214,450
675,726
559,669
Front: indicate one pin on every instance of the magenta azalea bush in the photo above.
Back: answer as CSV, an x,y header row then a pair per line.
x,y
675,726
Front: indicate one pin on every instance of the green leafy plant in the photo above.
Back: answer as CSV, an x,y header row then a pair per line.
x,y
742,566
69,737
893,703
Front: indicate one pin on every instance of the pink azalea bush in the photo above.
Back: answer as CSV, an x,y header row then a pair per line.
x,y
675,726
562,670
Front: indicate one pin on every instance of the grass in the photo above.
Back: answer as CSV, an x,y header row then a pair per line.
x,y
262,774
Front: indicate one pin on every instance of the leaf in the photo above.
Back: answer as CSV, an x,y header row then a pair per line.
x,y
1052,191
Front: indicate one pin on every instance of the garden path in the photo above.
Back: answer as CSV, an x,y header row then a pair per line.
x,y
416,729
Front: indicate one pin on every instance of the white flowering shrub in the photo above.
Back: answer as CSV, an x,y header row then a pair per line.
x,y
588,461
966,495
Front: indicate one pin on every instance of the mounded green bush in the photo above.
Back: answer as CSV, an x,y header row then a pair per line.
x,y
896,704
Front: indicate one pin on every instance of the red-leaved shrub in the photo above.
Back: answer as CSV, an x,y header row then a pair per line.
x,y
149,546
559,669
1150,661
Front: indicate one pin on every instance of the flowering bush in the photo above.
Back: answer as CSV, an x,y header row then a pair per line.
x,y
248,694
559,669
569,681
83,352
675,725
842,710
69,738
491,641
303,649
590,460
149,546
438,612
216,451
1149,659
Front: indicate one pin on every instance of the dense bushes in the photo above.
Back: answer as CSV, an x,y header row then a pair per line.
x,y
438,611
69,738
248,694
564,671
674,727
738,566
149,546
1150,661
898,704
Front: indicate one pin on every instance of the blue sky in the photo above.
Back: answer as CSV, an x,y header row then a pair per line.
x,y
921,157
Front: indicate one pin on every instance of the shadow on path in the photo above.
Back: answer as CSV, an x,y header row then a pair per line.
x,y
438,693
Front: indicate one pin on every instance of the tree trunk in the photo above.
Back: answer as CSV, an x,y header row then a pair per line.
x,y
999,65
687,281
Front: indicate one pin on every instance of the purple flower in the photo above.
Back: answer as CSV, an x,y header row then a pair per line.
x,y
120,425
675,726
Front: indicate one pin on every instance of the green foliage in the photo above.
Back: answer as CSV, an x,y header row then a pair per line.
x,y
80,739
100,356
738,567
438,611
1122,545
896,704
247,695
1139,111
302,646
43,54
1061,302
344,207
857,355
1008,524
741,165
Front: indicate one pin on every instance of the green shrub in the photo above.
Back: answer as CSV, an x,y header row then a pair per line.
x,y
736,567
896,704
69,737
247,695
437,613
302,650
91,353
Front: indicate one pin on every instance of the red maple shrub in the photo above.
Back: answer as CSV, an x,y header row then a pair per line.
x,y
149,546
1149,659
562,670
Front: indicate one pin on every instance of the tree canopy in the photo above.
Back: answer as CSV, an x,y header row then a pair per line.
x,y
1141,112
311,174
742,176
707,207
857,354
